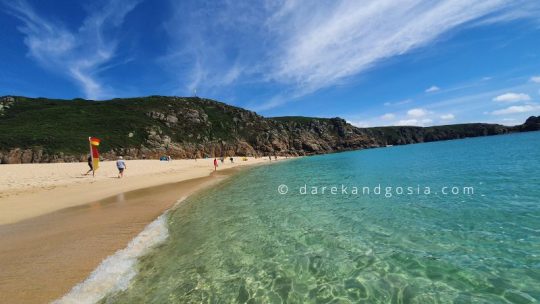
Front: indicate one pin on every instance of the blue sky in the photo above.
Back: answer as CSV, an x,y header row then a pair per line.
x,y
372,62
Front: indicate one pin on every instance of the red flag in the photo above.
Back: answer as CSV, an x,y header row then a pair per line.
x,y
94,143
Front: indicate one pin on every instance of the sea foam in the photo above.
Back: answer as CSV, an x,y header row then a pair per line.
x,y
116,271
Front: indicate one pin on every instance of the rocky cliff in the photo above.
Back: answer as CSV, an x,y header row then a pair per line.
x,y
48,130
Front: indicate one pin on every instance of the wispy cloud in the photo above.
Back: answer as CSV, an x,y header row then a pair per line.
x,y
414,122
214,46
416,113
448,116
517,109
398,103
512,97
514,10
535,79
79,54
359,124
388,116
432,89
327,42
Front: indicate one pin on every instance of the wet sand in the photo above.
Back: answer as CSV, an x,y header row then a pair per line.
x,y
43,257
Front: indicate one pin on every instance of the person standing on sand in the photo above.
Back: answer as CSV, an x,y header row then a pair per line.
x,y
215,164
90,165
121,165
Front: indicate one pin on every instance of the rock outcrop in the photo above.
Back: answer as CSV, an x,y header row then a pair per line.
x,y
531,124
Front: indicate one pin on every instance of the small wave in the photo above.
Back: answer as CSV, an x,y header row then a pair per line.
x,y
116,271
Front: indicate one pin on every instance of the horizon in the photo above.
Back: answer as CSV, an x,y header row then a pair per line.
x,y
370,63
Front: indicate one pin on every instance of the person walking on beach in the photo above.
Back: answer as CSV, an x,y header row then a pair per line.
x,y
215,164
90,165
232,159
121,165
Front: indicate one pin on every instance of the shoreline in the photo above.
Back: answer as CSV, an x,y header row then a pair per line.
x,y
43,257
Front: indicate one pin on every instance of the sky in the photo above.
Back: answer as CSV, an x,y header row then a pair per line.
x,y
371,62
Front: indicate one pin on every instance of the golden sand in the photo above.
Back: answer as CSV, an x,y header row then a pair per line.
x,y
29,190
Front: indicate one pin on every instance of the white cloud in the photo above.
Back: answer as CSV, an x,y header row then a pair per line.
x,y
512,97
416,113
359,124
407,122
432,89
535,79
414,122
398,103
388,116
449,116
79,54
517,109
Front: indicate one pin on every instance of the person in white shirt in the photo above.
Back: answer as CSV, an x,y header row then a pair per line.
x,y
121,165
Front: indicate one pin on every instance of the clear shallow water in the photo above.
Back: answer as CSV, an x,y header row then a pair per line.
x,y
243,242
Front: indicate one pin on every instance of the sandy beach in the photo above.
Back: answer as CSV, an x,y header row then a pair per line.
x,y
57,225
29,190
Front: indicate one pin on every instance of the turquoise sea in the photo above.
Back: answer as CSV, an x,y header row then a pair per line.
x,y
244,242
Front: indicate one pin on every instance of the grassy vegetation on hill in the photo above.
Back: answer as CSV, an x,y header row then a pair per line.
x,y
64,125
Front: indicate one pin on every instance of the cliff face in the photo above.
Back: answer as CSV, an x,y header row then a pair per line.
x,y
46,130
411,135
